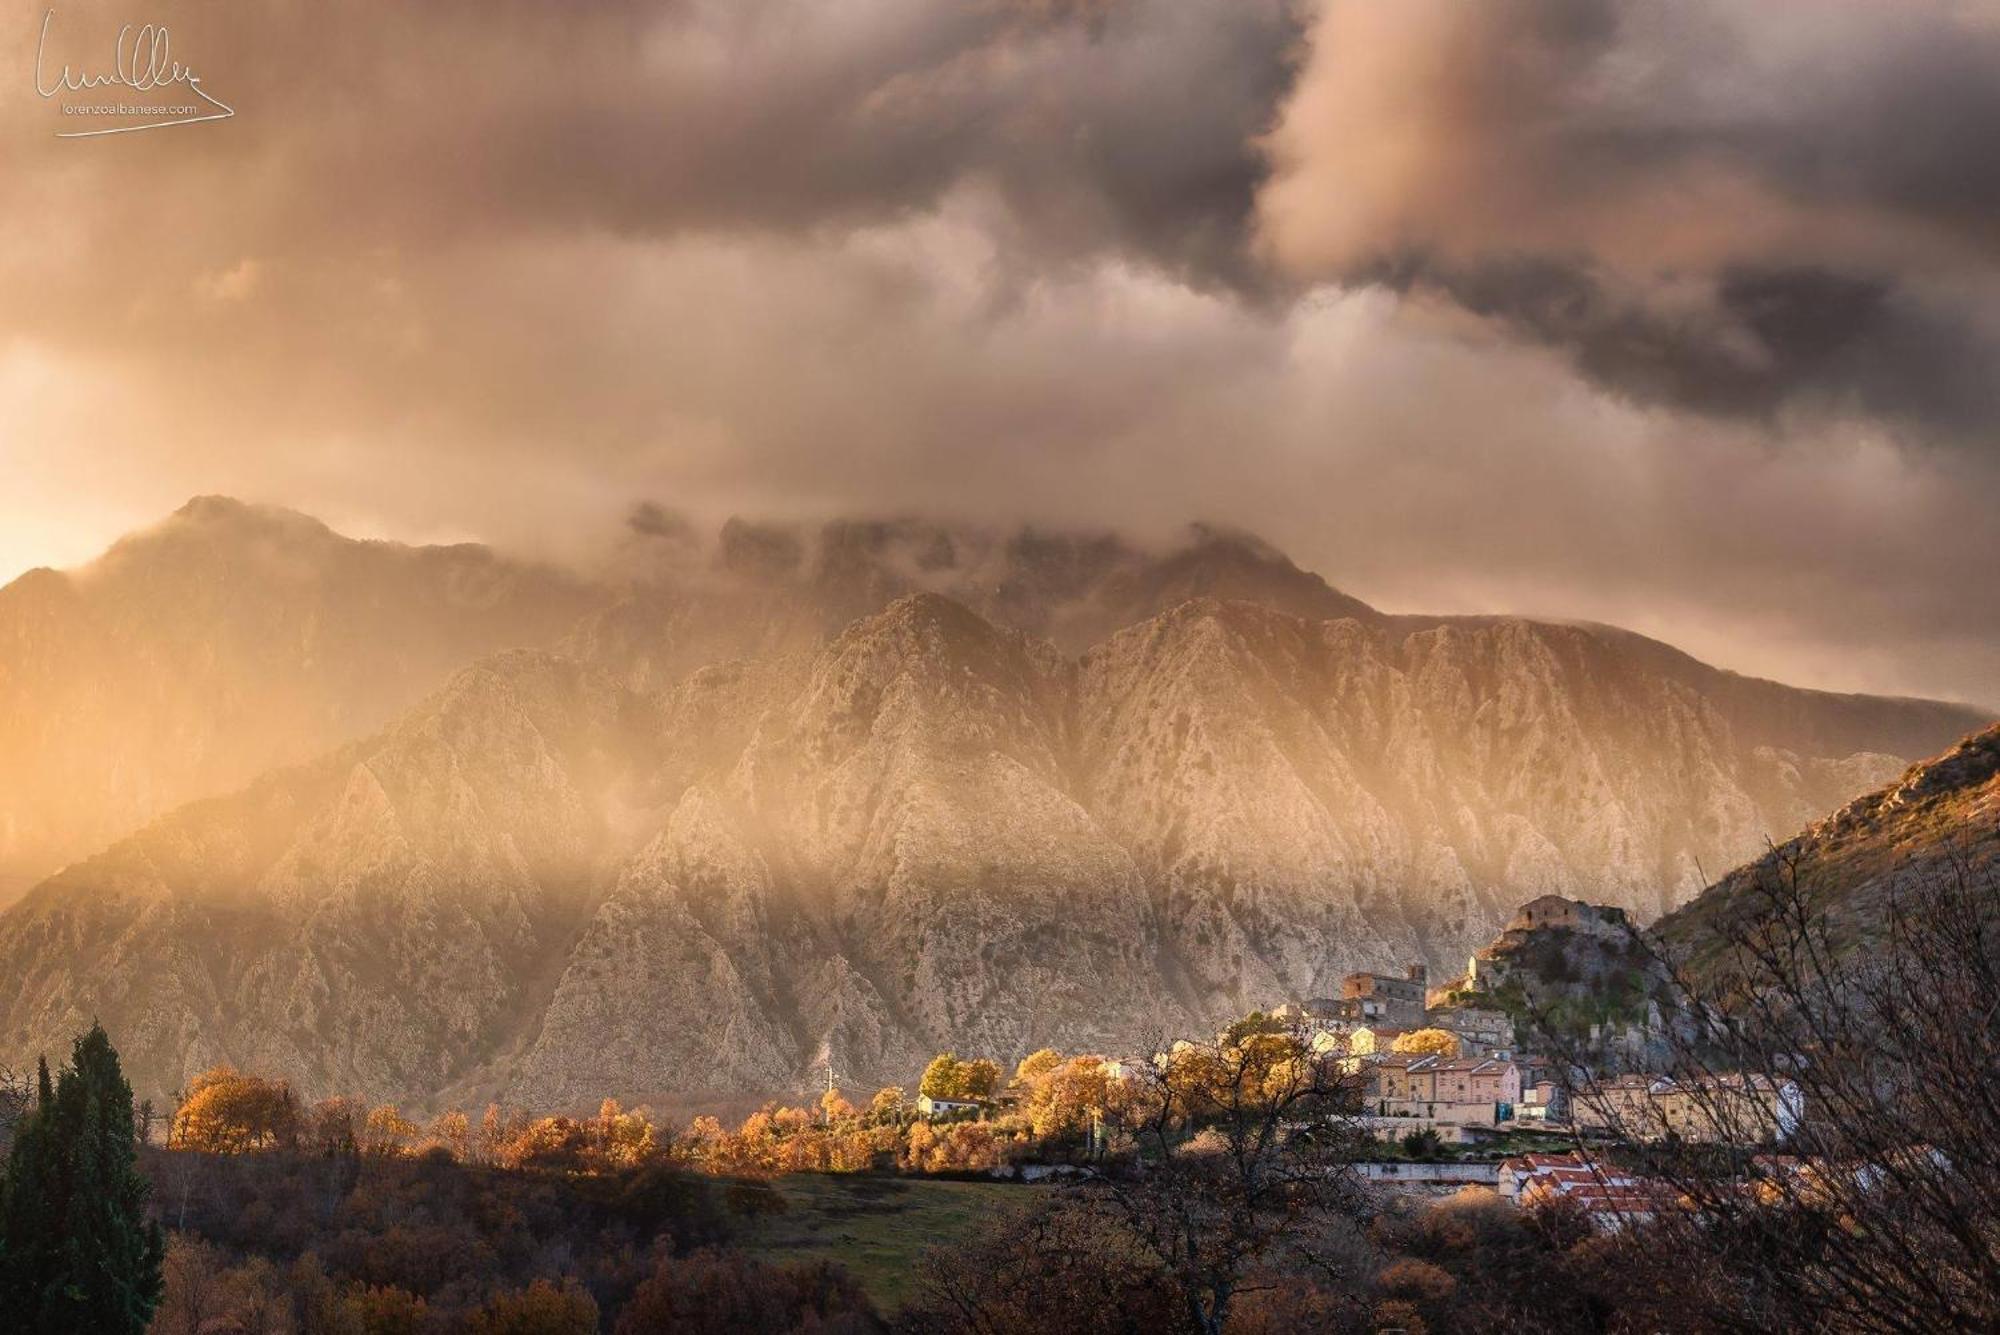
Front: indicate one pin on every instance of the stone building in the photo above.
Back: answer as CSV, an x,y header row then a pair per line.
x,y
1383,999
1711,1110
1554,911
1466,1091
1481,1030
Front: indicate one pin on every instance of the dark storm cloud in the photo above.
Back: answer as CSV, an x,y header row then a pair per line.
x,y
1733,209
1120,126
1764,337
1898,113
1730,208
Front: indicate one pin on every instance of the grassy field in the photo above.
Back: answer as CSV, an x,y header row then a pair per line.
x,y
877,1226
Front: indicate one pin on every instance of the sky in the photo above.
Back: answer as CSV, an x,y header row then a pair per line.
x,y
1682,317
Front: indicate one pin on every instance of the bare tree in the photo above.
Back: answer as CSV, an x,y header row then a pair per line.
x,y
16,1094
1235,1148
197,1289
1829,1133
1063,1264
179,1167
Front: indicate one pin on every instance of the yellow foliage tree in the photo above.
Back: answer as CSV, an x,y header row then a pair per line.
x,y
949,1078
917,1147
453,1131
387,1132
706,1144
834,1107
1069,1099
1036,1065
496,1128
963,1147
561,1144
1427,1042
887,1105
621,1139
944,1078
228,1112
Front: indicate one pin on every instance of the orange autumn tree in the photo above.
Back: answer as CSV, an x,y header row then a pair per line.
x,y
228,1112
387,1133
611,1141
1068,1099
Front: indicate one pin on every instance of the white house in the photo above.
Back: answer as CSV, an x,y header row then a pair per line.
x,y
928,1107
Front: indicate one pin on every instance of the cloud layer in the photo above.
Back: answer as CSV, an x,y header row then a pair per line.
x,y
1731,209
1678,316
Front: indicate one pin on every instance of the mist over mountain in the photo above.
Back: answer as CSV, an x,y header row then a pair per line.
x,y
228,639
859,792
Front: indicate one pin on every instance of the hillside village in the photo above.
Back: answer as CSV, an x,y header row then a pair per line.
x,y
1451,1058
1452,1086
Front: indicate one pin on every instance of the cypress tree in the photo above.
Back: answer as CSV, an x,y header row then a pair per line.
x,y
76,1250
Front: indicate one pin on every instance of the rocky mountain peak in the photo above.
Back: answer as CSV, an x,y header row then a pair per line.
x,y
220,525
223,641
1227,564
219,511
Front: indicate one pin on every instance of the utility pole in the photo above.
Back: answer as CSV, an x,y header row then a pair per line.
x,y
825,1112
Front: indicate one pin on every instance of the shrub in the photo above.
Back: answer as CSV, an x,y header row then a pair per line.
x,y
720,1293
540,1309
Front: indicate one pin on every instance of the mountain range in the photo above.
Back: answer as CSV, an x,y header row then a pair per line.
x,y
434,825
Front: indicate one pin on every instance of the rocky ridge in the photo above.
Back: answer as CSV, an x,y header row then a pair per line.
x,y
1940,817
1036,790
